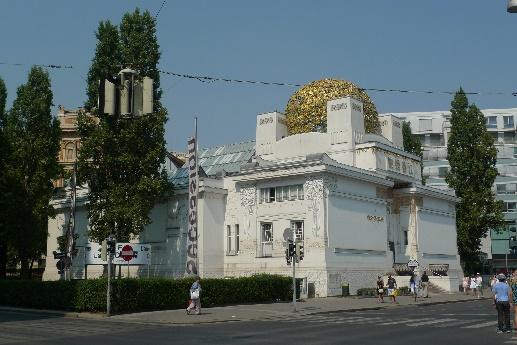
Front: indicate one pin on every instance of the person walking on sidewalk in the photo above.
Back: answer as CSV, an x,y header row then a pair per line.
x,y
466,285
380,290
392,288
413,286
195,297
513,291
479,285
474,286
425,285
502,297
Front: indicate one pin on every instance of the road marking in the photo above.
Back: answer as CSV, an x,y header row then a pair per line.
x,y
481,325
432,322
457,323
404,321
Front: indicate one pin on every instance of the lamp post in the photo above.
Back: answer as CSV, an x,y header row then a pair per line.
x,y
512,6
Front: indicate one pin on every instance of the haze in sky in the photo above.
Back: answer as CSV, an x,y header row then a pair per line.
x,y
436,45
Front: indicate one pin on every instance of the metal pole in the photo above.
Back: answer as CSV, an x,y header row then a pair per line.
x,y
294,283
197,196
506,260
108,297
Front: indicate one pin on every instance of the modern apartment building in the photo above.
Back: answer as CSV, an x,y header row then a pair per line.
x,y
433,129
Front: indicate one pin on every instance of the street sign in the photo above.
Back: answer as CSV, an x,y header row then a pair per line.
x,y
141,254
412,263
127,253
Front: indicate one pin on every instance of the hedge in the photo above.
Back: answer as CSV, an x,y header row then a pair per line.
x,y
131,295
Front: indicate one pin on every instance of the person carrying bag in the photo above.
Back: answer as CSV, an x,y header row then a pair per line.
x,y
195,298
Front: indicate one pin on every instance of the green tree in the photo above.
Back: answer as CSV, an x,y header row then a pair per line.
x,y
412,145
122,159
472,157
33,136
3,185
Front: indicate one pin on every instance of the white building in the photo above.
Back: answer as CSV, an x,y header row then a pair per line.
x,y
433,128
355,199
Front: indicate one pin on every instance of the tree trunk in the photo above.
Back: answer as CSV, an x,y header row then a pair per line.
x,y
3,261
24,267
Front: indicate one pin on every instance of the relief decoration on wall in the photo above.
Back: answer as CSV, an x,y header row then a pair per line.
x,y
248,195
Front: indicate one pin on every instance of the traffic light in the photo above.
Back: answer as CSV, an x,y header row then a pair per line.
x,y
111,243
104,251
299,250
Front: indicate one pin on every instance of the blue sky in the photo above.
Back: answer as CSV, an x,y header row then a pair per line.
x,y
393,44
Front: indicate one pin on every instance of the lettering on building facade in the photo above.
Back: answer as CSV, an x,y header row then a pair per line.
x,y
339,106
375,218
357,107
266,120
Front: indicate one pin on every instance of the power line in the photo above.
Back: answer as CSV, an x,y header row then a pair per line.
x,y
160,9
216,79
206,79
40,65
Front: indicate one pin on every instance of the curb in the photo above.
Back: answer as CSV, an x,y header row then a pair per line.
x,y
56,313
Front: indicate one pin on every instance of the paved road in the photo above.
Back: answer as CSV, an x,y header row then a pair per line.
x,y
457,323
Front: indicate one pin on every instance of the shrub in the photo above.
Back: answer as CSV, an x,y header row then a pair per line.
x,y
131,295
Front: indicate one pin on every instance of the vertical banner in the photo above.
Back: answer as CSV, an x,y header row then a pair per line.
x,y
191,266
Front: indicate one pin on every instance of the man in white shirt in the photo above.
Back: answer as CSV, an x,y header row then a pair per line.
x,y
479,284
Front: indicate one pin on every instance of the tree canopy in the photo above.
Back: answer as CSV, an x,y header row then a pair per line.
x,y
121,159
32,135
472,157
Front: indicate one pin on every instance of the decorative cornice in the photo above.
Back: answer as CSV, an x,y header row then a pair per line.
x,y
359,197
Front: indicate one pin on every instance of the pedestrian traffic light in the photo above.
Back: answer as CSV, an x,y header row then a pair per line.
x,y
299,250
111,243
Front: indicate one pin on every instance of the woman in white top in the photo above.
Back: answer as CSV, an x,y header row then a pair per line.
x,y
466,285
473,286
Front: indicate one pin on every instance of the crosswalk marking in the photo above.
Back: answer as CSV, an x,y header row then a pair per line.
x,y
481,325
455,323
404,321
430,322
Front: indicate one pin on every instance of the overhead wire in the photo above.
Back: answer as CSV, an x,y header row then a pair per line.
x,y
211,79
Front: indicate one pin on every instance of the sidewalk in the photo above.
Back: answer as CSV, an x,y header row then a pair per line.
x,y
276,311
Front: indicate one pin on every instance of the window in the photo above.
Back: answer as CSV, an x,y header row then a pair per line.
x,y
443,171
70,152
229,239
510,207
425,125
508,137
515,152
491,121
405,238
237,239
501,189
404,168
297,227
266,230
397,165
411,172
508,121
283,193
436,140
390,163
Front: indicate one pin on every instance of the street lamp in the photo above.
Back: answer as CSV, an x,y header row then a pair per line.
x,y
512,6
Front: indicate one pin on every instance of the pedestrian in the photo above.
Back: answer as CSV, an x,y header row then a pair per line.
x,y
502,297
473,286
479,285
425,285
380,290
195,296
466,285
513,291
493,281
392,288
413,285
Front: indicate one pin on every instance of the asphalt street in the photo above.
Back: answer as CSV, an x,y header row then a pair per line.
x,y
470,323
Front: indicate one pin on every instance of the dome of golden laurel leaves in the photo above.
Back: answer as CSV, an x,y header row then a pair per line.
x,y
306,110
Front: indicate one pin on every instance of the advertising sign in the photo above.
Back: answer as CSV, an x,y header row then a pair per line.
x,y
191,266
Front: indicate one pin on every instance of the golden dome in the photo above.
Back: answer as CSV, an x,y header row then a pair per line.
x,y
306,110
